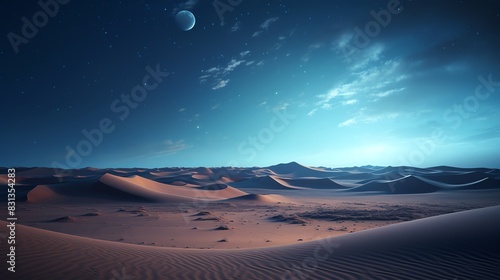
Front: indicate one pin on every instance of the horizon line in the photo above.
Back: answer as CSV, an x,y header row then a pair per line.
x,y
255,166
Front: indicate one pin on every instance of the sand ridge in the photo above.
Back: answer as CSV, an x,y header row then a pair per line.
x,y
164,192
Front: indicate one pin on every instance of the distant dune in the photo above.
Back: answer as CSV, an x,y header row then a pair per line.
x,y
260,198
133,188
314,183
182,184
458,177
87,190
297,170
264,182
44,193
406,185
152,190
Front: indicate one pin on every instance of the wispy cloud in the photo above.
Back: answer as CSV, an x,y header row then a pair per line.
x,y
281,106
344,90
312,112
203,78
359,58
349,122
217,75
221,84
367,56
265,26
483,134
387,93
232,65
172,147
257,33
213,69
310,50
374,79
365,117
350,102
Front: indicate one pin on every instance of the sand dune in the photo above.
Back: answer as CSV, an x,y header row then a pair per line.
x,y
3,179
201,177
211,187
161,174
203,171
85,190
485,183
36,180
423,249
297,170
44,193
406,185
194,178
172,184
121,171
392,175
358,176
152,190
420,184
457,178
387,169
459,169
453,246
419,171
494,172
261,171
314,183
135,188
265,182
34,172
186,178
260,198
362,169
220,190
166,172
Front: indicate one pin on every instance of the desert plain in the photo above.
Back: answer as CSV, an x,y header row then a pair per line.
x,y
286,221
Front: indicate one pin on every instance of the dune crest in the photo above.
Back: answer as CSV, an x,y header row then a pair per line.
x,y
156,191
265,182
44,193
405,185
298,170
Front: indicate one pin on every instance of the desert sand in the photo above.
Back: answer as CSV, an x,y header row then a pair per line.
x,y
286,221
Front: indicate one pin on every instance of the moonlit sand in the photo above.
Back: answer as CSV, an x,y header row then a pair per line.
x,y
286,221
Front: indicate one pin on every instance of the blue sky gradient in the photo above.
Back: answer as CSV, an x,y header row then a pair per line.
x,y
325,83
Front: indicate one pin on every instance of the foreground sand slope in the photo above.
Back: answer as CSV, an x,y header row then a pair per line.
x,y
453,246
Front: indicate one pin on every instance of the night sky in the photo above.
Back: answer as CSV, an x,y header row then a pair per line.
x,y
254,83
